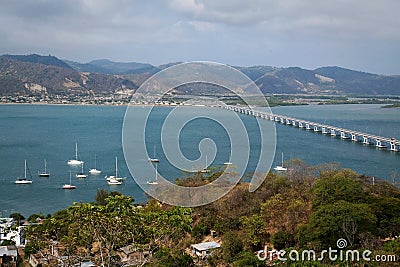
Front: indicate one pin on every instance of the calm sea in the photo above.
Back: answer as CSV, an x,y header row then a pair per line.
x,y
38,132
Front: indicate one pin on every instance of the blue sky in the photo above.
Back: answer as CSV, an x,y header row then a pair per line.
x,y
356,34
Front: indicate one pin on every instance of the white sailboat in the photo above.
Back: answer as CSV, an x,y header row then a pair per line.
x,y
155,181
94,171
75,161
44,173
115,180
280,168
24,180
81,174
69,186
155,159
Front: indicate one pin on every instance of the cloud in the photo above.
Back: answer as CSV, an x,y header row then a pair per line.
x,y
286,32
350,18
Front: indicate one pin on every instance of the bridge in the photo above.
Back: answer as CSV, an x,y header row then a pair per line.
x,y
386,143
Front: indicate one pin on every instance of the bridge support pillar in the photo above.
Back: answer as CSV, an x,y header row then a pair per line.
x,y
354,138
343,135
300,124
324,130
333,132
365,140
378,144
393,147
308,127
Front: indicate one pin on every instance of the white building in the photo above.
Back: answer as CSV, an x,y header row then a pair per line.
x,y
8,231
203,250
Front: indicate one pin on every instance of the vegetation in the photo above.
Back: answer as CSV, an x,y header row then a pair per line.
x,y
305,208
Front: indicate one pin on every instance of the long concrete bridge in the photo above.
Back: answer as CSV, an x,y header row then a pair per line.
x,y
387,143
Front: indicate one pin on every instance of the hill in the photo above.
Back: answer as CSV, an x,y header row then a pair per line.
x,y
106,66
24,77
34,58
24,74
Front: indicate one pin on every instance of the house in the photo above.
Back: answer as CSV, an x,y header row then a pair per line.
x,y
8,255
205,249
132,255
8,231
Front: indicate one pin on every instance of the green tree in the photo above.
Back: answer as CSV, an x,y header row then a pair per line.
x,y
254,228
247,259
18,217
232,246
327,223
338,186
282,240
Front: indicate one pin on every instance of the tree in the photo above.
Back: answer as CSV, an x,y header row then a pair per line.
x,y
18,217
282,240
247,259
231,246
340,186
326,223
254,229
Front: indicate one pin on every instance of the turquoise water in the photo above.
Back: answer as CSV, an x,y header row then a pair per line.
x,y
38,132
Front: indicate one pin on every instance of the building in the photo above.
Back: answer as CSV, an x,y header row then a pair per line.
x,y
205,249
8,255
9,232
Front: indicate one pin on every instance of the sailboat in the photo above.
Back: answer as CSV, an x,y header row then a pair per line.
x,y
75,161
94,171
115,180
81,174
155,160
69,186
155,181
24,180
44,173
280,168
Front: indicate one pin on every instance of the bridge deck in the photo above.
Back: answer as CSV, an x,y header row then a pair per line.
x,y
318,127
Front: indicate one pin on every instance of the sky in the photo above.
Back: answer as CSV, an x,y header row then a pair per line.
x,y
357,34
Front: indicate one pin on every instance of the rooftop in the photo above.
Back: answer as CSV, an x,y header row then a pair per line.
x,y
206,246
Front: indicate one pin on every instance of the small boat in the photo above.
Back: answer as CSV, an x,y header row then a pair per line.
x,y
155,159
228,163
115,178
69,186
155,181
44,173
24,180
280,168
94,171
205,170
81,174
75,161
114,181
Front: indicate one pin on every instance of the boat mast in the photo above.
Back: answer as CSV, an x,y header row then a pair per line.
x,y
282,159
76,151
45,170
156,171
25,170
116,167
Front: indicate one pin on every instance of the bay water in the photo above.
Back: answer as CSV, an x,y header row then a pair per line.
x,y
38,132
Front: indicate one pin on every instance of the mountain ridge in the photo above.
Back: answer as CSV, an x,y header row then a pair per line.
x,y
23,74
